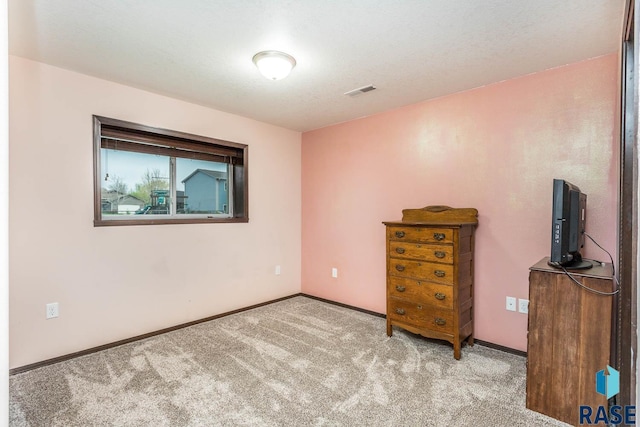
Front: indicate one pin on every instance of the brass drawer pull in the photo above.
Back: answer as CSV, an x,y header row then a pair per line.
x,y
400,288
440,321
400,250
440,296
399,267
438,236
400,234
439,273
440,254
400,311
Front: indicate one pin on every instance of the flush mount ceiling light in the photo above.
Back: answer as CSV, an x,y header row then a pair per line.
x,y
274,65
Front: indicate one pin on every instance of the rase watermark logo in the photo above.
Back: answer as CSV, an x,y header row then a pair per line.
x,y
608,382
608,385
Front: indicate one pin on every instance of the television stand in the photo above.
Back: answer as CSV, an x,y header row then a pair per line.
x,y
568,339
577,265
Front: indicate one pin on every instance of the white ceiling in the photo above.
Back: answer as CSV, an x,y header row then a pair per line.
x,y
411,50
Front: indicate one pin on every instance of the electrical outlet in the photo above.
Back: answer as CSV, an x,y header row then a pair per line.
x,y
511,303
334,272
52,310
523,306
277,270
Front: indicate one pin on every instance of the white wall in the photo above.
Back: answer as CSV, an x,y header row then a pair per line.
x,y
4,220
117,282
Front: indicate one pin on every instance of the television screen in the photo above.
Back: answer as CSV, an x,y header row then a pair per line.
x,y
567,229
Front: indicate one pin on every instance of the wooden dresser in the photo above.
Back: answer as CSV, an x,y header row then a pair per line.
x,y
430,273
568,339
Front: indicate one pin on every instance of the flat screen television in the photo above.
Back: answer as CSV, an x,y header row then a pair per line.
x,y
567,229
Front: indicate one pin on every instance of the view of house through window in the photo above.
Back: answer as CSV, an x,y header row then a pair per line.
x,y
142,184
166,177
202,187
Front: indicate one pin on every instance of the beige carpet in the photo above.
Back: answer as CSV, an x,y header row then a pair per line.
x,y
298,362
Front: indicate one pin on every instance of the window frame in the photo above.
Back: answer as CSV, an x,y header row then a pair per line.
x,y
164,140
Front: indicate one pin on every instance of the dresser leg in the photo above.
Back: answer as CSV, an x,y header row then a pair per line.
x,y
389,330
470,340
456,350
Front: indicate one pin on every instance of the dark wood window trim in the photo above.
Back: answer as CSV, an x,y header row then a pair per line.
x,y
127,136
625,346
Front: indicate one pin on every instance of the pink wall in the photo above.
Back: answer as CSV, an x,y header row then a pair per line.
x,y
495,148
114,283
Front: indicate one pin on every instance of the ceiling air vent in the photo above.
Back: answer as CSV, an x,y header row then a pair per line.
x,y
360,90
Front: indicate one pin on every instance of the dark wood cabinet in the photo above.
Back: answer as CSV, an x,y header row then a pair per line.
x,y
430,273
568,339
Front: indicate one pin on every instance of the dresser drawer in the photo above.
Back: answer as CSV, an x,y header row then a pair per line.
x,y
425,252
421,270
432,272
421,234
433,294
421,316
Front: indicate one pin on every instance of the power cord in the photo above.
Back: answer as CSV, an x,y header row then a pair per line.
x,y
613,270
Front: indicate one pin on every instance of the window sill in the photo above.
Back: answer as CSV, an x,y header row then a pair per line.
x,y
160,221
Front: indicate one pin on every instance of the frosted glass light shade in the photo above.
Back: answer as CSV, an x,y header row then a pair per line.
x,y
274,65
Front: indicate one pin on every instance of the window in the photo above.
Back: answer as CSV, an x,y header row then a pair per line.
x,y
145,175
